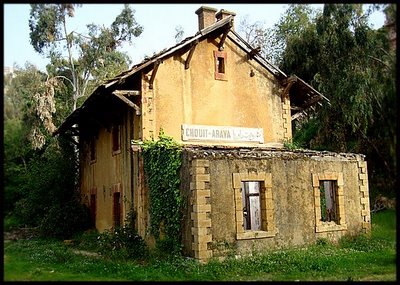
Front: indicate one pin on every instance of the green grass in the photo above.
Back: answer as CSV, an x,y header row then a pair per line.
x,y
355,258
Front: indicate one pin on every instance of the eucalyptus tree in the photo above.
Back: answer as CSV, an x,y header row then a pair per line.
x,y
354,66
179,32
273,41
341,55
88,56
78,62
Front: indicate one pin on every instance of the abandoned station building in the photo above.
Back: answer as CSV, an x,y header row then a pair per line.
x,y
232,111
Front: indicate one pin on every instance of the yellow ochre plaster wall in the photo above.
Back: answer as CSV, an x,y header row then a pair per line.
x,y
194,96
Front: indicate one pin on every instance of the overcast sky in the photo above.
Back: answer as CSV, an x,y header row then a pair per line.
x,y
159,22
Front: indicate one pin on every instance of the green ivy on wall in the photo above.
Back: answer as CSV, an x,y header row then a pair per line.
x,y
162,160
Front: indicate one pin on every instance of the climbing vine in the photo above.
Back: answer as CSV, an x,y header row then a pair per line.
x,y
162,161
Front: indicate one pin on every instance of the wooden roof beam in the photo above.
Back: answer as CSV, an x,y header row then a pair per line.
x,y
71,139
289,81
312,101
127,92
253,52
128,102
187,62
153,74
221,43
298,115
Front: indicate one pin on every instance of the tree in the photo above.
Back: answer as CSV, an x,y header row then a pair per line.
x,y
40,189
273,41
337,52
179,33
40,170
90,59
48,26
353,66
260,37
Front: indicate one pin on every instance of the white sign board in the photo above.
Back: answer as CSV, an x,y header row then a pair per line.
x,y
221,133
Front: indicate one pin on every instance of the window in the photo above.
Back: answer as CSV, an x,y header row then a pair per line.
x,y
220,65
329,201
254,205
92,149
251,205
116,140
117,209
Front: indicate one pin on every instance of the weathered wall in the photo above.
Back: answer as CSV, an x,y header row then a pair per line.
x,y
110,172
194,96
294,205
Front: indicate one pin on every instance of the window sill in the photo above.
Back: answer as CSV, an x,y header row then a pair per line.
x,y
329,227
221,76
255,234
115,152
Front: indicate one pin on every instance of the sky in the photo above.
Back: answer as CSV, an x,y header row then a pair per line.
x,y
158,20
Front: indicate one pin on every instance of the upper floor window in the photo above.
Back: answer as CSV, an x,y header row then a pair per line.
x,y
116,139
220,65
92,149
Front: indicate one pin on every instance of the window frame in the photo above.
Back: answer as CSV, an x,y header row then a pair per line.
x,y
220,56
92,150
268,228
340,223
116,139
248,218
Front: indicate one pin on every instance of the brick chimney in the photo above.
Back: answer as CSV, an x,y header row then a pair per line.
x,y
206,16
222,14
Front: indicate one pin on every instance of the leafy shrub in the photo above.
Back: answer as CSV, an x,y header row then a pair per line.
x,y
291,145
360,242
322,242
65,220
123,242
87,240
10,223
50,199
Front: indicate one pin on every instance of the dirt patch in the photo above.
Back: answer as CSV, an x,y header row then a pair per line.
x,y
86,253
22,233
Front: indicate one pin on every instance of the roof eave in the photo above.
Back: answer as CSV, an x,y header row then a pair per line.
x,y
73,117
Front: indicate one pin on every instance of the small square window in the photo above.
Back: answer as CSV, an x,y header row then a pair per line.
x,y
220,65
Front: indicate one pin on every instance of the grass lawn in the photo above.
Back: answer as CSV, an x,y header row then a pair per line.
x,y
356,259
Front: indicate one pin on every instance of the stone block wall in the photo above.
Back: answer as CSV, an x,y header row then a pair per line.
x,y
201,209
289,199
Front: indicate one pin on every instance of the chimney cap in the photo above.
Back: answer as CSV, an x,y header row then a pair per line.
x,y
202,8
224,12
